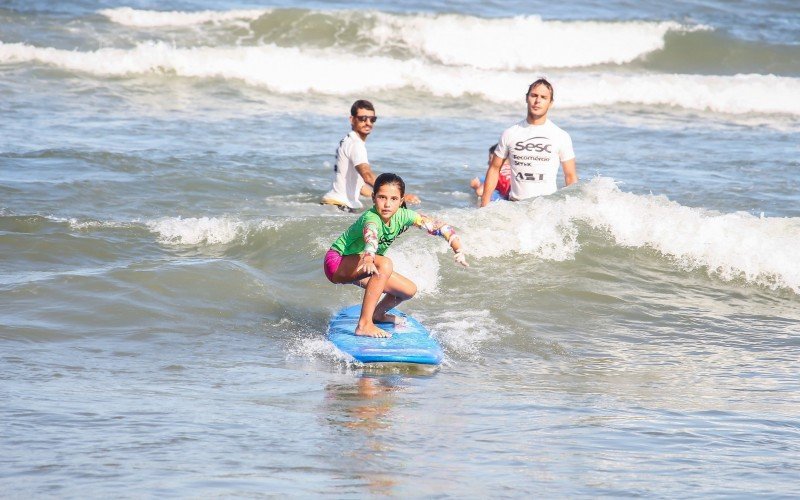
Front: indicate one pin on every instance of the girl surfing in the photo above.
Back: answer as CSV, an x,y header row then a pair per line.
x,y
357,255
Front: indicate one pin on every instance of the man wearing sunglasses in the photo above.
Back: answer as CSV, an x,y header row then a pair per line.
x,y
352,173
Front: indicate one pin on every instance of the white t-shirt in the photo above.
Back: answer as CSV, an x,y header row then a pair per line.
x,y
535,153
347,182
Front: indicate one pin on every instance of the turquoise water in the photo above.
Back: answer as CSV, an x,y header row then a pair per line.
x,y
163,307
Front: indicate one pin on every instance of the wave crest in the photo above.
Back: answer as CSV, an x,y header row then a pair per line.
x,y
139,18
513,43
206,230
301,70
728,246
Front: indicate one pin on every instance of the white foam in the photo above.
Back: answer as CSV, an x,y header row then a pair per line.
x,y
304,71
504,228
696,92
205,230
314,348
466,334
511,43
88,224
95,224
521,42
158,19
417,260
760,250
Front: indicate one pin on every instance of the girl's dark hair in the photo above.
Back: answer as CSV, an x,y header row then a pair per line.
x,y
390,178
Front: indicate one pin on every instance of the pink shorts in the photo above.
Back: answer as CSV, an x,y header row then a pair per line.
x,y
331,264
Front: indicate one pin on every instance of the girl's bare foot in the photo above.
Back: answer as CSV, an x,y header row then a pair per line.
x,y
475,184
390,318
372,331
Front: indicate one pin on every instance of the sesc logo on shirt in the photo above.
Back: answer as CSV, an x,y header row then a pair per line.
x,y
529,154
535,144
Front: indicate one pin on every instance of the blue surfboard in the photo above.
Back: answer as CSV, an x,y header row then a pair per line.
x,y
409,343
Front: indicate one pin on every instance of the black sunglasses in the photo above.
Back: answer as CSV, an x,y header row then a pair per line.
x,y
363,118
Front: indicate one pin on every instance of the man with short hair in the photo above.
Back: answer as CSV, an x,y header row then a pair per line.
x,y
535,147
352,173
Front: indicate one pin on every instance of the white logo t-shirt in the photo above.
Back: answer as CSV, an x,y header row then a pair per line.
x,y
535,153
347,182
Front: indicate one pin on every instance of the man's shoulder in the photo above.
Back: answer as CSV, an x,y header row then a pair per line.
x,y
353,135
563,140
555,127
352,146
352,138
517,128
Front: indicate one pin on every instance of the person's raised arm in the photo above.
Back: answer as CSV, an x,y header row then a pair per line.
x,y
570,172
446,231
492,174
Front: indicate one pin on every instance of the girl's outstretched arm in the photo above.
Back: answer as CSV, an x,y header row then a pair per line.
x,y
446,231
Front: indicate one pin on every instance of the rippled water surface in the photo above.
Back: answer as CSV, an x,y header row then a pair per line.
x,y
162,303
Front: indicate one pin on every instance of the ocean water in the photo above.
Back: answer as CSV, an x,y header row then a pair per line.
x,y
163,307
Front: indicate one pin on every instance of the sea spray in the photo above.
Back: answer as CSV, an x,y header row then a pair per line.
x,y
759,250
301,69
